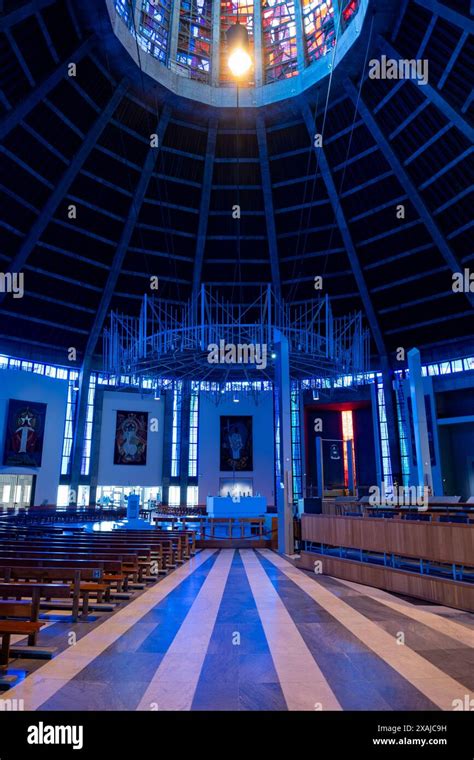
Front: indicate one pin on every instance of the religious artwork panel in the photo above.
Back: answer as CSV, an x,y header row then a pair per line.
x,y
236,444
24,434
131,435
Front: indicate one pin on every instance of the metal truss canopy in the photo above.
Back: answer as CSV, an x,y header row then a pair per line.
x,y
214,340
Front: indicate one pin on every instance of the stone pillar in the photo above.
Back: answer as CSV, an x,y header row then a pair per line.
x,y
420,426
258,43
285,494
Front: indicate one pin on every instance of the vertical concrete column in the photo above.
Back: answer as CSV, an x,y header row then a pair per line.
x,y
173,33
216,43
285,495
319,468
300,37
420,426
95,443
137,14
258,43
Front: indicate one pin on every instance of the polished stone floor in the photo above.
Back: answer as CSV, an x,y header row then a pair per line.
x,y
246,630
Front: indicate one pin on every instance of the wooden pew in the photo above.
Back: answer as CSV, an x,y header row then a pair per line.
x,y
174,548
21,622
131,566
111,569
170,548
34,592
81,583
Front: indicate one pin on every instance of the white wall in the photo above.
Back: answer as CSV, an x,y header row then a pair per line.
x,y
27,386
263,444
111,474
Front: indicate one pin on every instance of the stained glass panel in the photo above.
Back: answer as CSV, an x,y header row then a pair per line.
x,y
349,10
194,38
233,11
319,28
279,39
153,31
125,9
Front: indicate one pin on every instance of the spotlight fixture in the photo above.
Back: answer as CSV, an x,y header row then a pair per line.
x,y
239,60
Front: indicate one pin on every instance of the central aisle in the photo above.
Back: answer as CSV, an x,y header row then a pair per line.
x,y
245,630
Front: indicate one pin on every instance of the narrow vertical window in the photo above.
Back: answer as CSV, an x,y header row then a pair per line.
x,y
384,442
71,405
279,39
402,433
125,9
176,429
86,454
195,38
154,28
193,430
319,28
296,441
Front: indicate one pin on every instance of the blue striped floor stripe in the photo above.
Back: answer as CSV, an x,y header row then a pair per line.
x,y
359,678
238,671
117,678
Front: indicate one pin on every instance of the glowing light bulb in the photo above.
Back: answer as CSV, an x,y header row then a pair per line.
x,y
239,62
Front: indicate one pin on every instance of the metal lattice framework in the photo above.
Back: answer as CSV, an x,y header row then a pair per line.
x,y
176,341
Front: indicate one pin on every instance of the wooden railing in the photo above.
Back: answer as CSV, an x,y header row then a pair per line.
x,y
439,542
428,560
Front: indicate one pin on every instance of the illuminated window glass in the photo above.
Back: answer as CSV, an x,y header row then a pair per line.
x,y
194,38
86,452
386,460
69,424
296,442
192,496
402,433
193,430
276,403
153,31
319,28
125,9
174,496
231,12
176,429
347,435
279,39
349,10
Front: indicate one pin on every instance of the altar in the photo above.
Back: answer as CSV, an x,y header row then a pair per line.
x,y
245,506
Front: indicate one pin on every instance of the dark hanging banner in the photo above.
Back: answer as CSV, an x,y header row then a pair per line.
x,y
24,434
131,435
236,449
333,465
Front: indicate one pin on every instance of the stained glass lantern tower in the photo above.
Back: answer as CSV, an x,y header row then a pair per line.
x,y
184,44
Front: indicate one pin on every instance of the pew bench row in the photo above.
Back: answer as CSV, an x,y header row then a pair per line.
x,y
76,572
